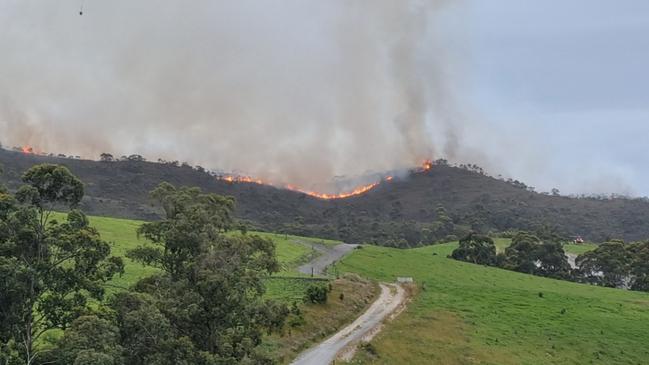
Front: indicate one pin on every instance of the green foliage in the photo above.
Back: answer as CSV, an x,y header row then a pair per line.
x,y
89,340
193,218
521,254
146,334
639,267
607,265
209,298
50,184
49,268
476,249
552,261
316,294
525,253
528,254
616,264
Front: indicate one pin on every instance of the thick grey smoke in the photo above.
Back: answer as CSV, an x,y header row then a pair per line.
x,y
288,90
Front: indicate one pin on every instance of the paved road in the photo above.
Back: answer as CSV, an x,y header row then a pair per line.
x,y
328,255
323,354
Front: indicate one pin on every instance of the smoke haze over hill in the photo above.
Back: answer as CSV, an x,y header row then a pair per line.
x,y
290,91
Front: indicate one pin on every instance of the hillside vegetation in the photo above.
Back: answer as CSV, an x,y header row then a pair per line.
x,y
291,251
348,298
404,212
122,235
471,314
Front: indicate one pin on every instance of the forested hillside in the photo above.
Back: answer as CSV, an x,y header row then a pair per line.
x,y
420,208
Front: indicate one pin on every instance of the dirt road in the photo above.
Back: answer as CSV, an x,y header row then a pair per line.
x,y
328,255
571,259
392,296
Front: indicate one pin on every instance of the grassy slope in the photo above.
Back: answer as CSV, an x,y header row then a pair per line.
x,y
470,314
122,235
287,286
579,249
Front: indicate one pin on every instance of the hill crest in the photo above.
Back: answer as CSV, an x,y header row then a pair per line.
x,y
395,212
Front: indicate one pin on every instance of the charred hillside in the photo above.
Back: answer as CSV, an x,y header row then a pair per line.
x,y
420,208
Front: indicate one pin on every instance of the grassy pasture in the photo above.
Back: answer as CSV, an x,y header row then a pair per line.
x,y
288,285
470,314
580,248
122,235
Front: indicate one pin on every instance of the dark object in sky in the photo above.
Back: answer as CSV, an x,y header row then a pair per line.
x,y
81,12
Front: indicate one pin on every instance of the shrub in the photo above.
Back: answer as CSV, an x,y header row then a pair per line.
x,y
476,249
316,294
370,349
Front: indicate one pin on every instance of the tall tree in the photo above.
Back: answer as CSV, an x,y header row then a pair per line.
x,y
521,255
608,265
49,268
552,261
106,157
192,218
640,265
529,254
476,249
212,286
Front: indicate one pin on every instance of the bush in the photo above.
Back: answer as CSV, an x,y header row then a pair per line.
x,y
369,348
316,294
476,249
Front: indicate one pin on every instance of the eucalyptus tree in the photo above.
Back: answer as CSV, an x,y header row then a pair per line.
x,y
49,268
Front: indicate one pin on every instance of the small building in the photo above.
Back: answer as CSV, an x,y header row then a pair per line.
x,y
404,279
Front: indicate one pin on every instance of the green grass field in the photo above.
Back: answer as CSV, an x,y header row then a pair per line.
x,y
122,236
463,313
470,314
291,252
580,248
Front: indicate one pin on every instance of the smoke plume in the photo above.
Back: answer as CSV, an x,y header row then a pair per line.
x,y
290,91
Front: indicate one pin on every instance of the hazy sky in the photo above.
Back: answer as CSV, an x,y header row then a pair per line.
x,y
568,79
555,93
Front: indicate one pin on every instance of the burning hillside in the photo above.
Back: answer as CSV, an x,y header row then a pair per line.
x,y
326,196
236,178
29,150
361,189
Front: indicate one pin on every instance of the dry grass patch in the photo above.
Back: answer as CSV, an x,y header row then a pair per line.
x,y
439,338
323,320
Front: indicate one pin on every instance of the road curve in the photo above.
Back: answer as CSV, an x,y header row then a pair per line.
x,y
392,296
328,255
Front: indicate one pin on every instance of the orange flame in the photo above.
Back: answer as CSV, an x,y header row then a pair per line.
x,y
243,179
357,191
27,150
427,165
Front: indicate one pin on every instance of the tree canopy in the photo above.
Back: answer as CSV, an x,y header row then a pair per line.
x,y
209,297
476,249
50,269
